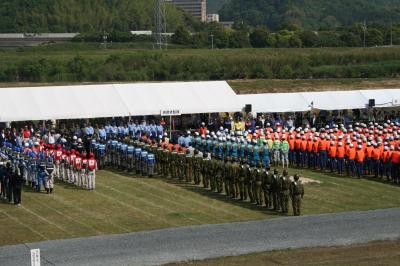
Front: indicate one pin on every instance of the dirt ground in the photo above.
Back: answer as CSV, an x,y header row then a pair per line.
x,y
304,85
373,253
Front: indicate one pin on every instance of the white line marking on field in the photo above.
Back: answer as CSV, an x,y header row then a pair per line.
x,y
89,213
15,219
47,221
67,217
182,197
134,208
148,202
171,201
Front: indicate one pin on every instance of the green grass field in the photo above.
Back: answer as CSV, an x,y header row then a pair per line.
x,y
123,203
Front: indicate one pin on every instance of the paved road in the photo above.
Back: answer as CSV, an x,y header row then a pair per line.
x,y
208,241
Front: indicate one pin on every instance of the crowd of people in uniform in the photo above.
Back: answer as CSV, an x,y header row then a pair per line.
x,y
237,163
36,164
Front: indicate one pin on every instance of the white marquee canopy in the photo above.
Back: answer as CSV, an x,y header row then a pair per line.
x,y
136,99
326,100
112,100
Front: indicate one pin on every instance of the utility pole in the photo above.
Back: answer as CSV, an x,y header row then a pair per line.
x,y
212,41
391,33
364,27
160,24
105,39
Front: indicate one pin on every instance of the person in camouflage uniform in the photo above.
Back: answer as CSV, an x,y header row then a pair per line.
x,y
197,167
227,176
249,183
214,171
266,187
206,169
284,186
275,191
297,194
173,164
180,164
165,163
159,160
241,181
235,179
219,175
258,185
189,167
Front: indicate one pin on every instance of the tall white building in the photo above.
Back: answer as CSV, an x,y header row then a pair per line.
x,y
197,8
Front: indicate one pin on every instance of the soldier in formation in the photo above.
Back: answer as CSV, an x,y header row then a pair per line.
x,y
226,173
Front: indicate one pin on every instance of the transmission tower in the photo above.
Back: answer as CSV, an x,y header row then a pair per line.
x,y
160,23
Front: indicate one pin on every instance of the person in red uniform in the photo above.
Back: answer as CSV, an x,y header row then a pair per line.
x,y
92,167
203,129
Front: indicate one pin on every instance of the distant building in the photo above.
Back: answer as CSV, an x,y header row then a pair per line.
x,y
197,8
212,18
227,24
33,39
149,33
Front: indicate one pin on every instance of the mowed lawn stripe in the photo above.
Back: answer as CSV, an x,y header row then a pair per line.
x,y
48,221
97,219
152,217
163,209
342,193
164,200
74,223
233,211
127,203
23,227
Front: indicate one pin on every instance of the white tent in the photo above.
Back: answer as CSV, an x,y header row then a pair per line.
x,y
111,100
326,100
275,102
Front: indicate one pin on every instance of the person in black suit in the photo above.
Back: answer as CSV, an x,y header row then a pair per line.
x,y
314,121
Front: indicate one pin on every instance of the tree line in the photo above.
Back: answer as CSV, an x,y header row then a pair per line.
x,y
204,65
242,36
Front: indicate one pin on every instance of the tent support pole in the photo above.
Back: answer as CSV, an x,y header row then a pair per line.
x,y
170,128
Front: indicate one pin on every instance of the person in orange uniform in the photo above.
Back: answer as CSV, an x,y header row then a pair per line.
x,y
376,160
303,151
332,156
386,157
323,146
297,147
309,151
291,149
360,157
314,161
340,153
368,159
351,156
395,165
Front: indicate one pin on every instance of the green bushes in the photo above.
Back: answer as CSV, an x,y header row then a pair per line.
x,y
37,65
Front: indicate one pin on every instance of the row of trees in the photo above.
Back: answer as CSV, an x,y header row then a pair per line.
x,y
219,65
311,14
241,36
86,16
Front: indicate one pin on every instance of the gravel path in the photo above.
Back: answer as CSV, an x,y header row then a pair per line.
x,y
208,241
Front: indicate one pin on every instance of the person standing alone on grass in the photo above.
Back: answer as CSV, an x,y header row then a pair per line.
x,y
16,182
